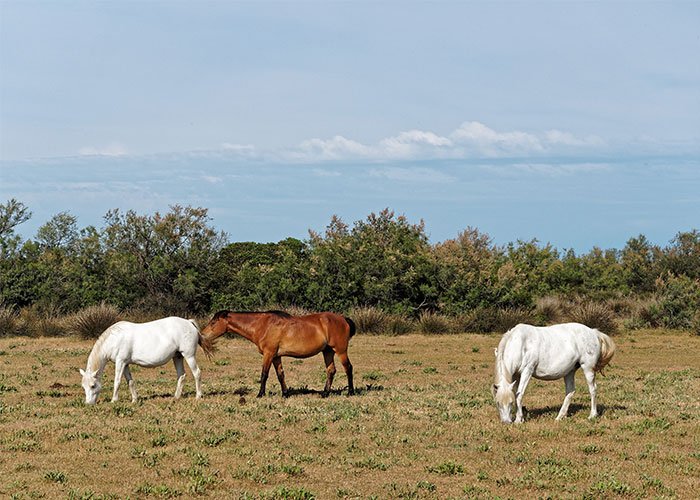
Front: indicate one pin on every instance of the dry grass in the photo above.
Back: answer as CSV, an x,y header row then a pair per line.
x,y
422,426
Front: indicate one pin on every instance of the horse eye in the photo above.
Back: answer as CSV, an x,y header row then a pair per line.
x,y
93,386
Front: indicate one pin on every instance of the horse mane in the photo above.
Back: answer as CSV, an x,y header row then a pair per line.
x,y
224,313
97,348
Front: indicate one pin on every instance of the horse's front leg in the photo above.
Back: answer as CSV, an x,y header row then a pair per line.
x,y
180,370
522,385
119,367
277,362
592,388
570,389
132,385
267,362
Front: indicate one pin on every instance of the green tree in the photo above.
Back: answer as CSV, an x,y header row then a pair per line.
x,y
466,271
639,264
160,261
383,261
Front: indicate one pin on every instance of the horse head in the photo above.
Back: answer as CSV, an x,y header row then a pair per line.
x,y
504,396
217,326
92,386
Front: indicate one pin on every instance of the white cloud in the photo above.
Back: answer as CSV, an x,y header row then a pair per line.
x,y
113,149
416,174
546,169
212,179
332,149
413,144
238,148
479,139
557,137
471,140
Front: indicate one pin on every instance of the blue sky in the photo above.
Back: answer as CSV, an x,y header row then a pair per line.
x,y
574,123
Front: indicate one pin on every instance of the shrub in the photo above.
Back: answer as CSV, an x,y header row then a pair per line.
x,y
432,323
89,323
679,299
369,320
594,315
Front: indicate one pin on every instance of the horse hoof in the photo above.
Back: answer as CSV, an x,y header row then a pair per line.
x,y
324,394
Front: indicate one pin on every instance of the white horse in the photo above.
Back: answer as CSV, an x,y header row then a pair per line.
x,y
144,344
547,353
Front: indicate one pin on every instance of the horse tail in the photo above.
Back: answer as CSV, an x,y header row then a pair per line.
x,y
206,343
351,324
607,350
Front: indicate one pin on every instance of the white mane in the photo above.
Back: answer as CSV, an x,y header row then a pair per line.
x,y
93,362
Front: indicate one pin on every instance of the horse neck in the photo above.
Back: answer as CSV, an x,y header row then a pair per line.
x,y
246,325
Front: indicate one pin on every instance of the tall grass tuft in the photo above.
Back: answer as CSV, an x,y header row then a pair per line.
x,y
549,310
9,321
594,315
479,320
89,323
398,325
369,320
511,316
35,322
432,323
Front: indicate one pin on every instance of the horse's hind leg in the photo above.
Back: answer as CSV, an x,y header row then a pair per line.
x,y
196,374
277,362
592,388
180,369
348,371
569,383
328,356
132,385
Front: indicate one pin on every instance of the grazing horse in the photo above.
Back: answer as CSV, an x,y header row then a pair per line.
x,y
280,334
144,344
548,353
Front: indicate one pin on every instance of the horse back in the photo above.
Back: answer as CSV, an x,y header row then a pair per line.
x,y
303,336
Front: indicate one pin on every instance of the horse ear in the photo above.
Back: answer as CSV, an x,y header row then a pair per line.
x,y
494,390
495,351
512,384
82,372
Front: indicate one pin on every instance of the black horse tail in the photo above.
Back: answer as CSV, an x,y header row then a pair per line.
x,y
351,324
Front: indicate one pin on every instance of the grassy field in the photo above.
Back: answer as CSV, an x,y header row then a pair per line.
x,y
422,426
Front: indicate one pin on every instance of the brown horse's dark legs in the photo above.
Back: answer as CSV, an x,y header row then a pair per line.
x,y
267,361
348,371
328,356
277,362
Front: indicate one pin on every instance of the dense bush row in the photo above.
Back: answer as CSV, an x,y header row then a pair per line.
x,y
381,269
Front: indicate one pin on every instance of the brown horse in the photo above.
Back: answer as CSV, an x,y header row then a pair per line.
x,y
280,334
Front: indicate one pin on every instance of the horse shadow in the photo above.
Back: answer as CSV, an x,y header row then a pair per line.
x,y
574,408
359,391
